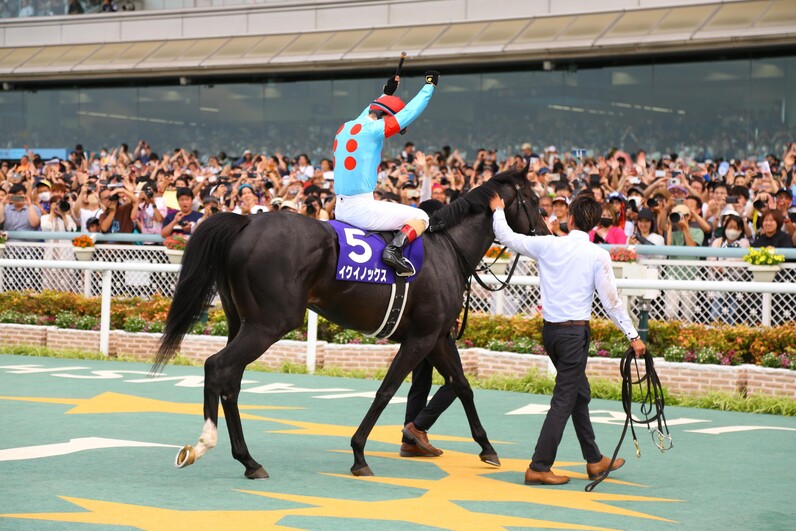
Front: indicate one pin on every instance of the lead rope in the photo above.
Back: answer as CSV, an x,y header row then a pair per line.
x,y
652,405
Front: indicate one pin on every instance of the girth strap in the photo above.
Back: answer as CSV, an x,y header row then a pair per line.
x,y
395,310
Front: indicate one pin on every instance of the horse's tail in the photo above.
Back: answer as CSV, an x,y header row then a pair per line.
x,y
204,267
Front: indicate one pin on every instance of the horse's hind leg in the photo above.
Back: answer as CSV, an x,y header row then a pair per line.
x,y
410,353
445,357
223,374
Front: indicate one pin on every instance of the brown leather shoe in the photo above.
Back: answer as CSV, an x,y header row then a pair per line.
x,y
420,438
595,470
413,450
532,477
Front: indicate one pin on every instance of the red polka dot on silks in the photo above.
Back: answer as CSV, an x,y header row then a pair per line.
x,y
341,128
334,146
351,145
356,129
350,163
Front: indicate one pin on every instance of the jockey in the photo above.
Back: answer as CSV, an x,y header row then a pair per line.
x,y
357,151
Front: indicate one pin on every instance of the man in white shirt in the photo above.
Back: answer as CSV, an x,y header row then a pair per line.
x,y
570,269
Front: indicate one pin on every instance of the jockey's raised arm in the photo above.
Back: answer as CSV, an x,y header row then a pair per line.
x,y
357,153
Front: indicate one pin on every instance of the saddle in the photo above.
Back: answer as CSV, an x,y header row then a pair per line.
x,y
359,255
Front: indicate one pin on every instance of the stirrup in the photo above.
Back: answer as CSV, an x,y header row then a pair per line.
x,y
408,264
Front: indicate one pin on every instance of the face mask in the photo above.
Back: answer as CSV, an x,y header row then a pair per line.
x,y
44,196
732,234
605,222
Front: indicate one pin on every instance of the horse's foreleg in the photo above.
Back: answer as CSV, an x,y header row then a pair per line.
x,y
445,358
410,353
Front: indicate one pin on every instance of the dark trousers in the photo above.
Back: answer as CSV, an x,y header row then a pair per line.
x,y
568,348
425,415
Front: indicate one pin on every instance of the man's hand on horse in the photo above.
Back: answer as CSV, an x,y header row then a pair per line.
x,y
392,85
496,202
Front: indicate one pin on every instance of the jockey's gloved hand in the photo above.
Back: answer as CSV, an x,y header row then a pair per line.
x,y
391,86
432,77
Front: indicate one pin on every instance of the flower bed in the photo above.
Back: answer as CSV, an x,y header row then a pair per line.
x,y
773,347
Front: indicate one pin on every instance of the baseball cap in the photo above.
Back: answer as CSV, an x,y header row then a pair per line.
x,y
276,201
678,188
561,198
616,195
646,213
543,171
288,204
786,191
526,146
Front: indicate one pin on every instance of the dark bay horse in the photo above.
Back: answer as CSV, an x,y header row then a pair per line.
x,y
268,269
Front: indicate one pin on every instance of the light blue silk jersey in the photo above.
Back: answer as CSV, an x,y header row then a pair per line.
x,y
358,144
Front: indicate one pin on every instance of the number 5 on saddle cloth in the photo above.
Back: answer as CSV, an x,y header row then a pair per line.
x,y
359,258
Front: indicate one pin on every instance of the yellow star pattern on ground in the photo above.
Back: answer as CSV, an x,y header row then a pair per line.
x,y
466,480
122,403
156,519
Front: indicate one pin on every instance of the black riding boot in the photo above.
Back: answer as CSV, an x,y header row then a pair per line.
x,y
393,256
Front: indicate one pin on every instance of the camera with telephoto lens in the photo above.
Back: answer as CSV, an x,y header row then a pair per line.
x,y
675,218
149,192
759,204
63,205
311,207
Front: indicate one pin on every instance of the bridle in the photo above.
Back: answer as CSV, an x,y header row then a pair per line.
x,y
471,271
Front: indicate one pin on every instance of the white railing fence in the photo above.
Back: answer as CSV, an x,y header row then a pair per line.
x,y
705,304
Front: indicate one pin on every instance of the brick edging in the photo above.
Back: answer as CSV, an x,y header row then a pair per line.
x,y
677,378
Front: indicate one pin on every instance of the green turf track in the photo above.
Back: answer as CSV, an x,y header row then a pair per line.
x,y
729,480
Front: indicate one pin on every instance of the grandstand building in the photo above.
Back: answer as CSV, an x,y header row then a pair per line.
x,y
707,78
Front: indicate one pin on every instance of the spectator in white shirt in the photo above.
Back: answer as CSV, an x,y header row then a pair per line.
x,y
570,270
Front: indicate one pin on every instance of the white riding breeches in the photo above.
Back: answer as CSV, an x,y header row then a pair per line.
x,y
366,213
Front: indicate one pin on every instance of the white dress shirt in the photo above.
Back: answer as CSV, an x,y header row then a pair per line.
x,y
570,269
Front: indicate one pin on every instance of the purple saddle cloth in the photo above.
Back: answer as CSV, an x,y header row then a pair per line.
x,y
359,259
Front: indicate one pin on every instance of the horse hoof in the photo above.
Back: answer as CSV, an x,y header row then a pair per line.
x,y
361,472
258,473
491,459
186,456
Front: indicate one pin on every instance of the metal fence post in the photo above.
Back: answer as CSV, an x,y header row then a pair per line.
x,y
643,319
105,313
312,337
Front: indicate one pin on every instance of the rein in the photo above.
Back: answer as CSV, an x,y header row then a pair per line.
x,y
652,404
471,271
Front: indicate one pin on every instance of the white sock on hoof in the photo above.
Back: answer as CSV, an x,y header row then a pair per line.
x,y
208,439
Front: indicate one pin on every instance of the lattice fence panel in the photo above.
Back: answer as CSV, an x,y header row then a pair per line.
x,y
123,284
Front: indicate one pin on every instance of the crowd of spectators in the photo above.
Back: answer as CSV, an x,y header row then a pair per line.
x,y
666,200
670,200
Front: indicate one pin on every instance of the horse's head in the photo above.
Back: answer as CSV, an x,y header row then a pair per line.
x,y
522,204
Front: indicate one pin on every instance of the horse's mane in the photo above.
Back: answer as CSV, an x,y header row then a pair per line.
x,y
473,202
